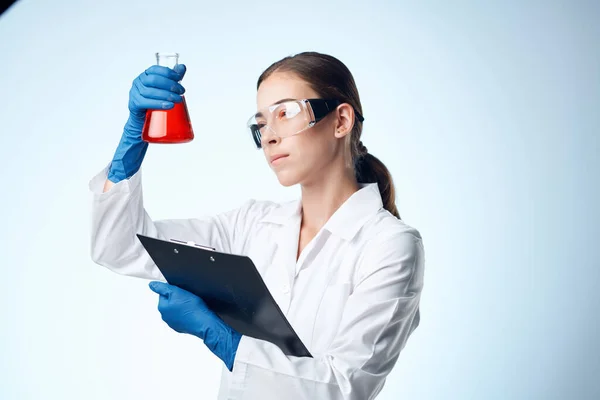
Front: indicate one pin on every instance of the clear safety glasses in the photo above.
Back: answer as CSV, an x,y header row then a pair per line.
x,y
290,117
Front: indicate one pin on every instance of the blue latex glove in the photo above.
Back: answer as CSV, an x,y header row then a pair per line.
x,y
156,88
187,313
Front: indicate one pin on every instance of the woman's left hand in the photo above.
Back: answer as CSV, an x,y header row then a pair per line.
x,y
187,313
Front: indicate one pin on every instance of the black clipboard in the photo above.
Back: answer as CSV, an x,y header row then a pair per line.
x,y
231,287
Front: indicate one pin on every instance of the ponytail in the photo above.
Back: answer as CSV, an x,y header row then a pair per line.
x,y
369,169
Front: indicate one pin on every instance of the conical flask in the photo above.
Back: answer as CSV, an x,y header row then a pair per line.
x,y
168,126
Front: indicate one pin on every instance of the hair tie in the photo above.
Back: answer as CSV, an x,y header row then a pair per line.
x,y
362,149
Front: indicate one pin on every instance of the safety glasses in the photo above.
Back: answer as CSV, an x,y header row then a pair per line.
x,y
290,117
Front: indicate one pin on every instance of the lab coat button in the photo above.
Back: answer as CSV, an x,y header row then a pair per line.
x,y
286,289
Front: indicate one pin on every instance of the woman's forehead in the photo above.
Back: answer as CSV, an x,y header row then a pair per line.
x,y
280,86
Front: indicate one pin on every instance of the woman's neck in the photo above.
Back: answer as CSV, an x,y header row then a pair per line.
x,y
322,197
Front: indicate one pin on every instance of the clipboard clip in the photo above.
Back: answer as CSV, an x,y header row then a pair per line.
x,y
190,243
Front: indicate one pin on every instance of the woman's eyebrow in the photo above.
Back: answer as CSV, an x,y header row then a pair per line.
x,y
260,114
283,100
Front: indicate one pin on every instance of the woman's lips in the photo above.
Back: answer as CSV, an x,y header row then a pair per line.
x,y
278,158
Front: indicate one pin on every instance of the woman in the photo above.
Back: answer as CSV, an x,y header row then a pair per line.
x,y
343,267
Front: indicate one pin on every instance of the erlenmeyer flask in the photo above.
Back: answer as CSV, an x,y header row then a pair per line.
x,y
168,126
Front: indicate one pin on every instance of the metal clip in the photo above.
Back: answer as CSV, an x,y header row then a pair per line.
x,y
190,243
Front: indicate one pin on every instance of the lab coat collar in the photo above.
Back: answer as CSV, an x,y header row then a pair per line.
x,y
283,214
346,221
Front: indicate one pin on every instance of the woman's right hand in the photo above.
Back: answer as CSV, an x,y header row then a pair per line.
x,y
157,87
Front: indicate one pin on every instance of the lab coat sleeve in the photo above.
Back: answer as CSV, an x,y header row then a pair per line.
x,y
119,214
379,316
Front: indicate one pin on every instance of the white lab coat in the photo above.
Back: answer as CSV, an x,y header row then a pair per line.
x,y
352,296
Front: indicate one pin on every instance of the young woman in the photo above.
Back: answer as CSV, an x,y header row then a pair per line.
x,y
343,267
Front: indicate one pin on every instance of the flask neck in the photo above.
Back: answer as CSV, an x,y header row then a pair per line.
x,y
167,59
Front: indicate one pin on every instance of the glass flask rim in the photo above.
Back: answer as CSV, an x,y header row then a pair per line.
x,y
166,54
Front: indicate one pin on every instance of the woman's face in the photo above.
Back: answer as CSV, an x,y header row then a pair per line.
x,y
306,154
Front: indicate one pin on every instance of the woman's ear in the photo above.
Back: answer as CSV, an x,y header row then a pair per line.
x,y
345,120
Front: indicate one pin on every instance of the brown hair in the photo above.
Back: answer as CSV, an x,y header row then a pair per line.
x,y
330,78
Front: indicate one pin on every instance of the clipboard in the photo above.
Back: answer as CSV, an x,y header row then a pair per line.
x,y
231,287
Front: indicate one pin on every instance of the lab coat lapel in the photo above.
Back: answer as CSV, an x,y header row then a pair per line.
x,y
287,250
283,264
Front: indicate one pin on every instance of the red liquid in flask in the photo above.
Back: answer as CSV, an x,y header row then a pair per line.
x,y
168,126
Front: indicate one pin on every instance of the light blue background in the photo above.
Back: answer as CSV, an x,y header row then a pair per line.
x,y
486,113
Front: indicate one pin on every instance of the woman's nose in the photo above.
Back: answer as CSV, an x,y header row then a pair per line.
x,y
269,136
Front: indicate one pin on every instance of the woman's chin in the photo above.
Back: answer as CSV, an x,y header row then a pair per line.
x,y
286,178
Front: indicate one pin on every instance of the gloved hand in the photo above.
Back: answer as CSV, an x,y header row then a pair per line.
x,y
156,88
187,313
